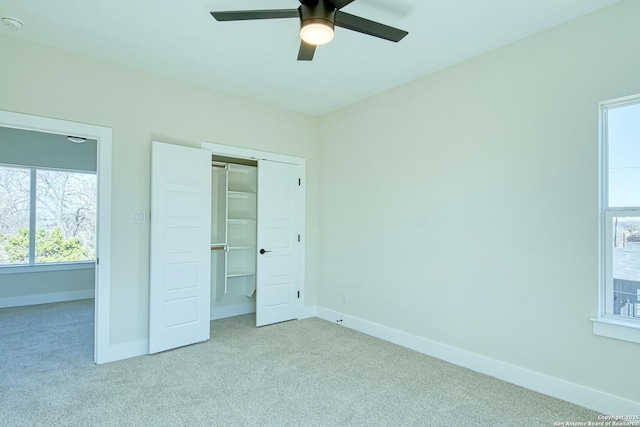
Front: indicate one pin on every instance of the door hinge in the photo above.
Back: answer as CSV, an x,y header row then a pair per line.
x,y
298,237
298,294
299,181
97,261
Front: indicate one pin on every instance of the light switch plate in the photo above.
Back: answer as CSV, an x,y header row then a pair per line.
x,y
139,217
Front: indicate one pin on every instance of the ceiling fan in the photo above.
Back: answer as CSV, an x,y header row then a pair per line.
x,y
318,18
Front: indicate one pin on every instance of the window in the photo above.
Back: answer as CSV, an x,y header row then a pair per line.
x,y
620,219
46,216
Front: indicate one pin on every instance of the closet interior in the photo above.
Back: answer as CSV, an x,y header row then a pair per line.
x,y
233,228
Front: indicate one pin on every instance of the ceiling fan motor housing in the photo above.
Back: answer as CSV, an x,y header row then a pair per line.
x,y
318,12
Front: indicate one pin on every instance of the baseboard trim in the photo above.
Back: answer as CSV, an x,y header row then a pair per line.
x,y
140,348
46,298
541,383
232,310
307,312
126,350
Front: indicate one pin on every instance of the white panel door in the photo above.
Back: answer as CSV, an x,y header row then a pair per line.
x,y
279,199
180,246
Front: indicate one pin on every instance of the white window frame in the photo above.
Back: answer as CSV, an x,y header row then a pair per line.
x,y
32,266
608,324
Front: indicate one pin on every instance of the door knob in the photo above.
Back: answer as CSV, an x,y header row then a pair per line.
x,y
262,251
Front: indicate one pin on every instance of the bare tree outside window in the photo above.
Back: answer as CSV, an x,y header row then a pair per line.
x,y
65,215
14,208
65,201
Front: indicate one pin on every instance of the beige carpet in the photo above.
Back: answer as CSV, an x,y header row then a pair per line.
x,y
299,373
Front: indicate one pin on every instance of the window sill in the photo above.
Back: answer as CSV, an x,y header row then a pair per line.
x,y
39,268
617,329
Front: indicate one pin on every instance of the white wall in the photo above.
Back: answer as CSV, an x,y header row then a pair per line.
x,y
18,289
142,107
463,207
46,150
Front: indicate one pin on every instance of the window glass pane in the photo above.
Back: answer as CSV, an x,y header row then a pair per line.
x,y
14,215
623,127
65,216
626,266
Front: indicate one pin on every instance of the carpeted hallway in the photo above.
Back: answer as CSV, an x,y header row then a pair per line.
x,y
299,373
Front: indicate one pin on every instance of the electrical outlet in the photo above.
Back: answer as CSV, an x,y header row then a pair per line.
x,y
345,297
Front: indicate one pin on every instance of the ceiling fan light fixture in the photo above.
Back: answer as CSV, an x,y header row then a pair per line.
x,y
318,19
316,31
11,22
77,139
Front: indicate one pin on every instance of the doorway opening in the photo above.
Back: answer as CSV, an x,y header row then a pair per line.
x,y
103,137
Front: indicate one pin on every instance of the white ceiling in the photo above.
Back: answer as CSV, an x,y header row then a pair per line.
x,y
257,59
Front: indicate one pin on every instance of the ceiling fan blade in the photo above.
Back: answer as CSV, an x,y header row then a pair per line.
x,y
306,51
244,15
339,4
365,26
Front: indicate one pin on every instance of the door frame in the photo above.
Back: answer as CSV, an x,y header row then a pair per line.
x,y
250,154
103,135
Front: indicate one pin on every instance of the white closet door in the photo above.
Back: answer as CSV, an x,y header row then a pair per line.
x,y
180,286
279,198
